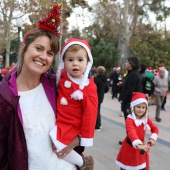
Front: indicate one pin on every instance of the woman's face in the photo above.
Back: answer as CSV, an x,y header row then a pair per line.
x,y
162,73
128,65
38,56
140,110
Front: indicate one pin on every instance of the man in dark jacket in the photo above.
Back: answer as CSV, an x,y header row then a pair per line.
x,y
102,87
131,83
115,80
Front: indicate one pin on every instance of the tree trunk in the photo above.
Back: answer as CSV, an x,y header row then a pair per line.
x,y
8,34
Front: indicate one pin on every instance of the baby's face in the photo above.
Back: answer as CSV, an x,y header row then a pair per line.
x,y
75,62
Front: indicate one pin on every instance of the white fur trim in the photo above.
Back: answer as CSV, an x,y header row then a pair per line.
x,y
58,144
63,101
138,101
86,142
154,136
136,142
147,127
77,95
60,68
67,84
131,167
79,43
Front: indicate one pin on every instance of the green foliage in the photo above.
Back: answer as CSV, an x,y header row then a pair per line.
x,y
104,53
150,47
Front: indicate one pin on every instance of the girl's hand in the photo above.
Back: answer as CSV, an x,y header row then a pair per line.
x,y
152,142
143,147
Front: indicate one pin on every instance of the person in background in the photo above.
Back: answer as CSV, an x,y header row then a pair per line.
x,y
137,123
76,101
161,89
92,72
148,87
156,73
114,78
142,73
102,87
111,81
131,83
165,97
28,102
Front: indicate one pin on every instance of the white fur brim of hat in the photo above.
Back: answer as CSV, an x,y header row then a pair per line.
x,y
118,68
161,68
138,101
77,95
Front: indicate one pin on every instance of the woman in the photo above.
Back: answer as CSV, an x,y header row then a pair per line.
x,y
161,89
28,104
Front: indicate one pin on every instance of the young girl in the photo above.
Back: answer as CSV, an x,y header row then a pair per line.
x,y
77,101
129,156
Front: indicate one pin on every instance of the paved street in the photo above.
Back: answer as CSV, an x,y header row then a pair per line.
x,y
106,145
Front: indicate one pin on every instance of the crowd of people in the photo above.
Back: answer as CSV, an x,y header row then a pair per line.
x,y
47,120
152,82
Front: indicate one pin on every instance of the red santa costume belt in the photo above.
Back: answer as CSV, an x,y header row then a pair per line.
x,y
130,143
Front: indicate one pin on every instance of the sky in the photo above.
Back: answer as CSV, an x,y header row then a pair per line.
x,y
81,18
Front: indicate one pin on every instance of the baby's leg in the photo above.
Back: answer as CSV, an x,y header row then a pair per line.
x,y
73,157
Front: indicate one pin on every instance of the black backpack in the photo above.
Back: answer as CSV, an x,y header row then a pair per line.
x,y
148,86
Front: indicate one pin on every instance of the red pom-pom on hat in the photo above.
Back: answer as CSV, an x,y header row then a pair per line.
x,y
149,69
156,71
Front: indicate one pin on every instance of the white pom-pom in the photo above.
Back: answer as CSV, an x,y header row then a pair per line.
x,y
77,95
63,101
147,127
67,84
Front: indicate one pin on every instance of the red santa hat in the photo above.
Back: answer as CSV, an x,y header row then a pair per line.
x,y
117,68
161,67
149,69
137,98
77,95
156,71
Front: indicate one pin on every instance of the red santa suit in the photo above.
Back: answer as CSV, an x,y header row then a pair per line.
x,y
76,117
77,104
129,156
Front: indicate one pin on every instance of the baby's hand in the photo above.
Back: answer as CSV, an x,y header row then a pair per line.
x,y
63,152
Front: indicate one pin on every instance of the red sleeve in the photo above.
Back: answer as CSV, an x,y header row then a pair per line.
x,y
90,107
